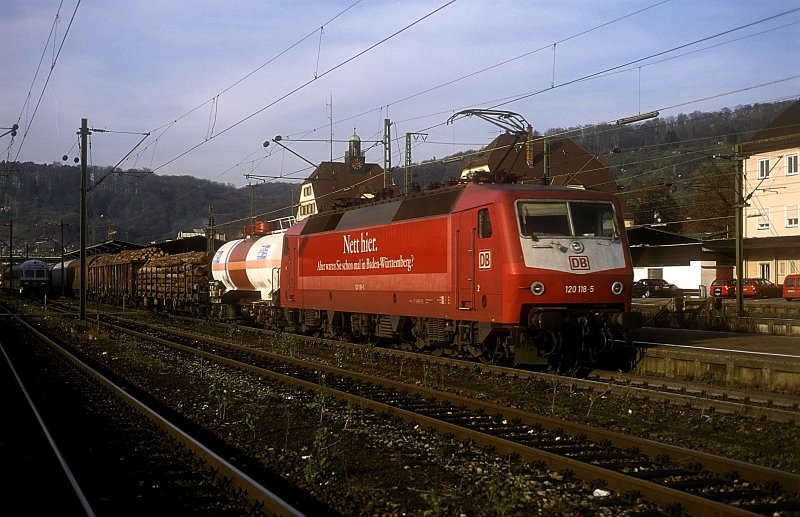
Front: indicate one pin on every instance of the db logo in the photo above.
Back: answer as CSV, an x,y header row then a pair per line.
x,y
580,263
484,259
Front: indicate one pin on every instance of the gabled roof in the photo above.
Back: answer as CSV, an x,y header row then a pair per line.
x,y
335,180
782,133
570,163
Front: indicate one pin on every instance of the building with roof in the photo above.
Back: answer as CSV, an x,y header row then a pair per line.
x,y
334,184
771,189
688,262
557,161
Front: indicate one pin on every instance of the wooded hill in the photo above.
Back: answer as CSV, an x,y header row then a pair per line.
x,y
671,170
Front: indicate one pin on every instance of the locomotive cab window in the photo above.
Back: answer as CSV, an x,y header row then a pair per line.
x,y
593,220
484,224
564,219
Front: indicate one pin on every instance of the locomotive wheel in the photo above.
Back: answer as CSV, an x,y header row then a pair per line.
x,y
485,359
491,355
568,361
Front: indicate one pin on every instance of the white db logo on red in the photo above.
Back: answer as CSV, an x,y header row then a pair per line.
x,y
485,259
580,263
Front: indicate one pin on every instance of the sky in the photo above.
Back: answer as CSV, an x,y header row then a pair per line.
x,y
195,87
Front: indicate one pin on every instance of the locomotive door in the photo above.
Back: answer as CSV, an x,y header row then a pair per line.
x,y
465,261
290,269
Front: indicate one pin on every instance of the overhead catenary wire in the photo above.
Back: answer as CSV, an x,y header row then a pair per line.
x,y
229,169
564,39
47,81
615,69
307,83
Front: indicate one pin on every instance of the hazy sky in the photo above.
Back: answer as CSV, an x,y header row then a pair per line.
x,y
211,81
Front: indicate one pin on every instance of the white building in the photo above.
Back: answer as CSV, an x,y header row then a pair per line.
x,y
771,187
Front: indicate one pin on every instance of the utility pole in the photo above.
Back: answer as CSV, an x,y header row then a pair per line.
x,y
407,183
387,152
10,250
63,275
252,204
739,216
546,175
84,134
330,120
210,234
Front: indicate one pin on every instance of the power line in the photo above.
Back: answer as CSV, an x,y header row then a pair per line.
x,y
640,60
304,85
496,65
260,67
47,81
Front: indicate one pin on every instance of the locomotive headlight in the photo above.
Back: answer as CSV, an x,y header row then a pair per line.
x,y
537,288
617,288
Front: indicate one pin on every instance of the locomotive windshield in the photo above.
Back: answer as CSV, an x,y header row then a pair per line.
x,y
566,219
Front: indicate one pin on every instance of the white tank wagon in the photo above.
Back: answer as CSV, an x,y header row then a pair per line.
x,y
247,273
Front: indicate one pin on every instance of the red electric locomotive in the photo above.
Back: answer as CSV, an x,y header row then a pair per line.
x,y
537,274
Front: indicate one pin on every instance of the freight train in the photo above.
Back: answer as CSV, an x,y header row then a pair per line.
x,y
528,274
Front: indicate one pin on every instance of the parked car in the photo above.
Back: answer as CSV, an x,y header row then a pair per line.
x,y
791,287
655,288
723,287
760,288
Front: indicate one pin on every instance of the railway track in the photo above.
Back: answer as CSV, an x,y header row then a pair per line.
x,y
748,404
775,407
697,483
118,454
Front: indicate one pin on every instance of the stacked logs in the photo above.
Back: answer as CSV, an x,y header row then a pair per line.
x,y
128,256
182,277
113,277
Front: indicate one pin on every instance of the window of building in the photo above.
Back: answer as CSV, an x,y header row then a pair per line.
x,y
763,219
764,270
307,190
484,224
791,165
763,168
792,215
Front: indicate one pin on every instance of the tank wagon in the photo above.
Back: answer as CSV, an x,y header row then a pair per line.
x,y
247,272
30,277
535,274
